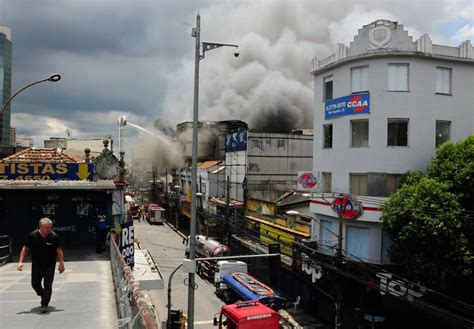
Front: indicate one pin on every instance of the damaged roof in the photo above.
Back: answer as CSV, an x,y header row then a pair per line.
x,y
293,198
32,154
208,164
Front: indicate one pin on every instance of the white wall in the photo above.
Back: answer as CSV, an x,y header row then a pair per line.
x,y
420,105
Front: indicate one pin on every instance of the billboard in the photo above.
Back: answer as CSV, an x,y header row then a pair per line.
x,y
236,141
347,105
46,171
306,180
126,243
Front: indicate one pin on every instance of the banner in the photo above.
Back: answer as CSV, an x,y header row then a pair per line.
x,y
306,180
126,246
236,141
46,171
347,105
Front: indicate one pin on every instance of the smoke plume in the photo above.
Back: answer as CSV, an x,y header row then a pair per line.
x,y
269,85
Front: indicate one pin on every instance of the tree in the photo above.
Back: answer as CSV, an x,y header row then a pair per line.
x,y
454,165
423,219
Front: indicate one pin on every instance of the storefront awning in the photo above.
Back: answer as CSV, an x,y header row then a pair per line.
x,y
56,185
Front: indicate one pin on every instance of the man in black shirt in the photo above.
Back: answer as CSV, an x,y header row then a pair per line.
x,y
45,247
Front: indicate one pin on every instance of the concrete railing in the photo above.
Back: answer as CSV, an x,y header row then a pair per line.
x,y
5,249
133,305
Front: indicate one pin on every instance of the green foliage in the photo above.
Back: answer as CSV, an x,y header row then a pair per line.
x,y
454,165
423,219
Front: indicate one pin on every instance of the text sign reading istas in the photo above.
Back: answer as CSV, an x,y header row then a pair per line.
x,y
46,171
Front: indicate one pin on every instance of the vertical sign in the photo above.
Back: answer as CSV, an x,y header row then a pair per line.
x,y
126,243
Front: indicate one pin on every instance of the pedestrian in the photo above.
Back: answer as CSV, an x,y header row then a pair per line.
x,y
45,247
100,232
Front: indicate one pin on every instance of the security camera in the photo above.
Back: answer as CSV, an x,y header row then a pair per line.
x,y
236,52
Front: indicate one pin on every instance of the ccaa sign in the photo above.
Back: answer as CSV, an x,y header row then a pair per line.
x,y
347,105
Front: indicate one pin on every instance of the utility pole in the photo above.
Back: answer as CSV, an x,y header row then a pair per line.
x,y
206,46
192,227
341,208
227,220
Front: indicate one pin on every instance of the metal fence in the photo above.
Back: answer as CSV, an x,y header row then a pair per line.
x,y
133,306
5,249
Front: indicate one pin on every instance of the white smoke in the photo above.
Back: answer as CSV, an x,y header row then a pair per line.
x,y
269,85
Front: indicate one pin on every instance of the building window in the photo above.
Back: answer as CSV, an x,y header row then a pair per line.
x,y
327,138
398,77
359,79
327,182
443,132
443,80
359,133
397,132
358,184
357,242
280,144
327,240
393,180
327,90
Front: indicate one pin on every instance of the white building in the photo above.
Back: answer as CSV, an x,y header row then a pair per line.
x,y
382,106
96,145
24,141
269,162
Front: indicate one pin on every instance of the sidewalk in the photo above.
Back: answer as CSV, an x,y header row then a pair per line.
x,y
83,297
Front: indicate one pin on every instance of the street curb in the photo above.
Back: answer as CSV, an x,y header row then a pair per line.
x,y
174,229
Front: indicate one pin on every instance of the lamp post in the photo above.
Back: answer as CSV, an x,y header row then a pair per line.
x,y
206,46
53,78
122,122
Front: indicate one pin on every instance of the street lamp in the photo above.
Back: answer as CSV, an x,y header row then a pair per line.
x,y
53,78
206,46
122,122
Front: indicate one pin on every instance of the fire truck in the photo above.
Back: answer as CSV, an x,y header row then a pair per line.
x,y
251,315
154,214
247,315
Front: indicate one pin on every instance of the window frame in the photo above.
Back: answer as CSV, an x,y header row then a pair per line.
x,y
398,120
351,188
362,90
407,65
324,135
397,177
326,246
352,134
354,228
325,175
436,131
325,80
450,81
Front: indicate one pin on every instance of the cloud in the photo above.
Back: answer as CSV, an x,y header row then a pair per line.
x,y
136,58
465,33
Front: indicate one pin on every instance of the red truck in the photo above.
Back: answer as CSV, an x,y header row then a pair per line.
x,y
247,315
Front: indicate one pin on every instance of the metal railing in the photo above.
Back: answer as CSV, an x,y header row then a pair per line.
x,y
5,249
133,305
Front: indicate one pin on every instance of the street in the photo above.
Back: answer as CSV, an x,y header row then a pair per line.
x,y
167,249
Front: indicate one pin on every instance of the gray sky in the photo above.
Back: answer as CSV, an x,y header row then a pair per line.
x,y
135,57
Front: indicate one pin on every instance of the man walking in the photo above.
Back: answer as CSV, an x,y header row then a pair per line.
x,y
45,246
